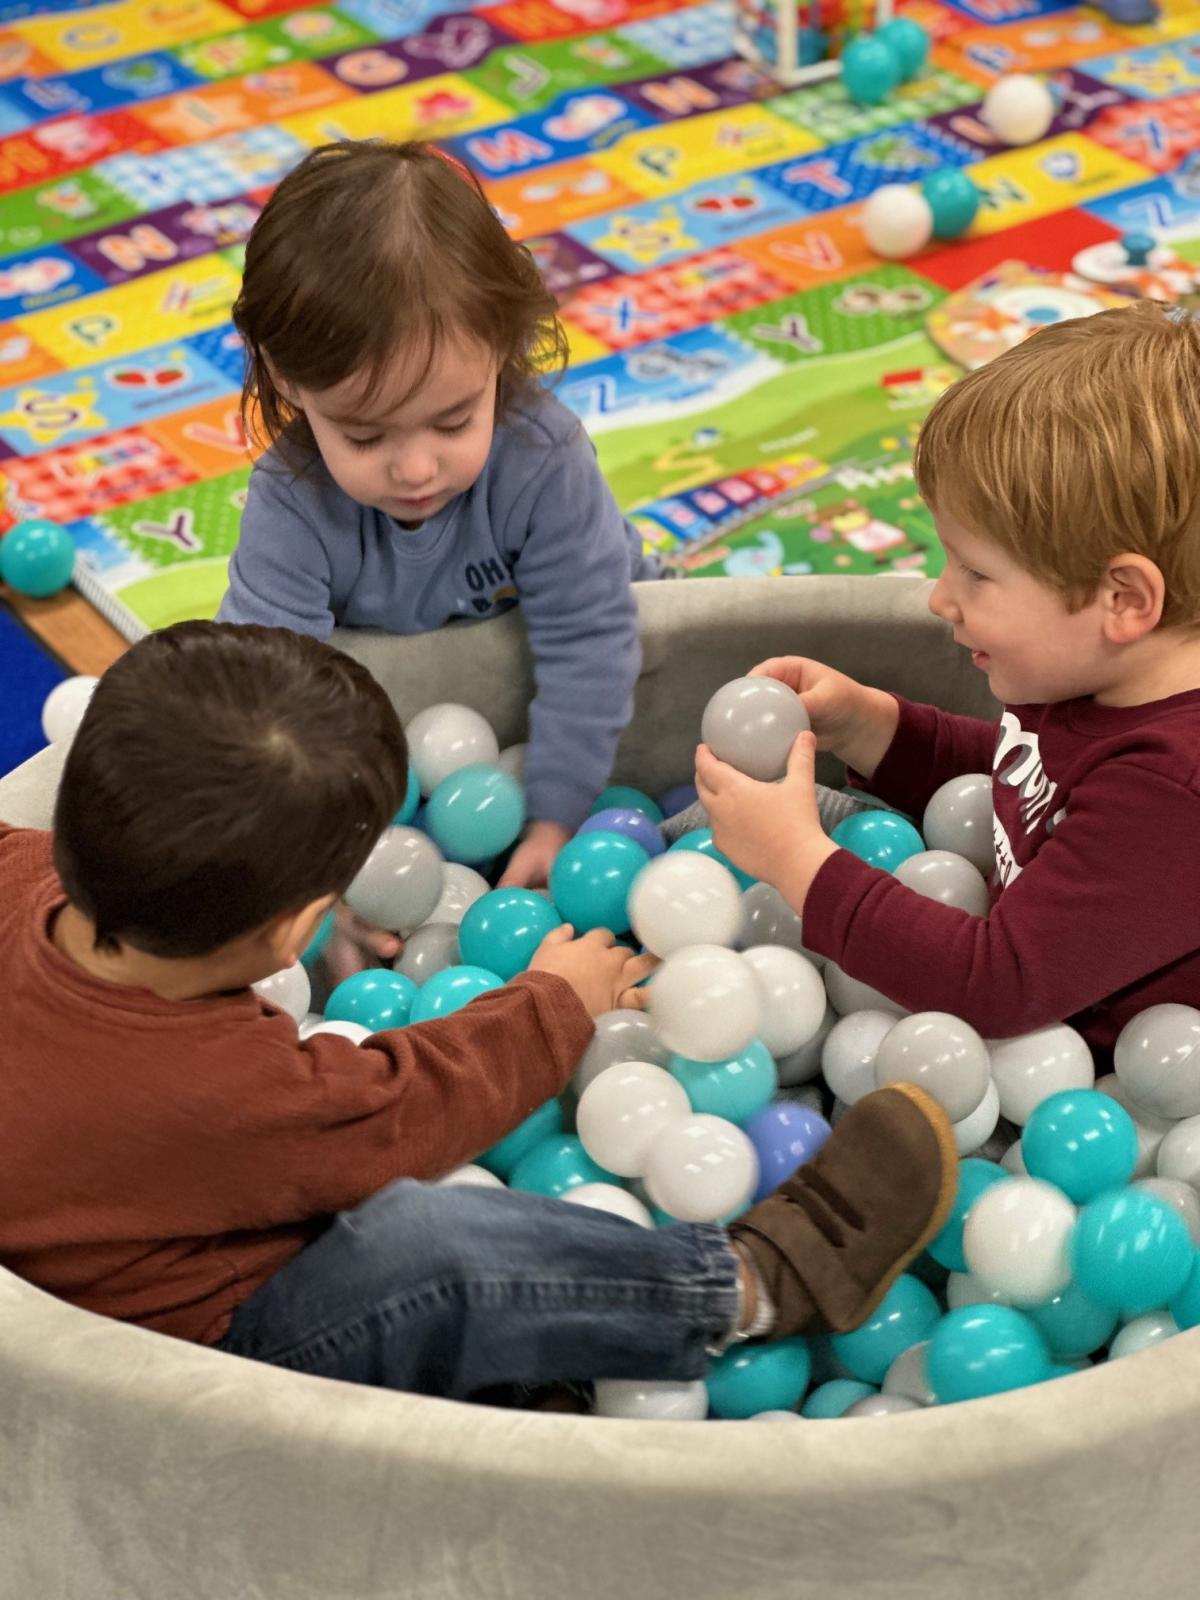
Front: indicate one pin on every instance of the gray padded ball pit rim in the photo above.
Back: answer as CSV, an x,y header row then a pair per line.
x,y
136,1467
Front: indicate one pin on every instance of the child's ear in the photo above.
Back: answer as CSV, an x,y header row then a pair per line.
x,y
291,934
1135,593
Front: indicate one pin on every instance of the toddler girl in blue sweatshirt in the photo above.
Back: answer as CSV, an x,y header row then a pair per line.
x,y
418,473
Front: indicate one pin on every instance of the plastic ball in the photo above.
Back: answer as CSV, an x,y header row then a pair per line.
x,y
834,1399
623,1111
64,706
630,822
376,998
848,995
897,221
784,1137
591,879
607,1197
986,1349
736,1089
953,199
470,1176
451,989
1185,1302
1033,1066
683,899
1179,1153
1131,1251
977,1128
461,887
556,1165
951,880
619,1036
1082,1142
974,1177
848,1057
909,43
752,724
1017,1240
701,841
512,760
1151,1130
37,558
768,919
881,1405
1180,1196
941,1055
635,1400
905,1316
1018,109
411,803
958,819
677,798
432,948
701,1169
962,1289
870,70
540,1125
880,838
1143,1333
705,1003
621,796
354,1031
803,1065
759,1377
445,737
289,989
400,882
502,930
475,813
793,997
908,1375
1157,1061
1072,1324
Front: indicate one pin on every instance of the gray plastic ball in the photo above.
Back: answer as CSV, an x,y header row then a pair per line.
x,y
941,1055
400,883
908,1375
942,875
768,919
1157,1059
752,724
619,1036
1179,1153
1179,1196
959,819
432,948
881,1405
847,995
1151,1130
804,1064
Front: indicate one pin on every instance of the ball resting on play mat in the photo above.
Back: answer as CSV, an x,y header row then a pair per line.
x,y
1019,109
897,221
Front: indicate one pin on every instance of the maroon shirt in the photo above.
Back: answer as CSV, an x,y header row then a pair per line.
x,y
1096,893
160,1159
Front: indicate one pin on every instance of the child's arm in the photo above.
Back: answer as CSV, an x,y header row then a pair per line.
x,y
280,574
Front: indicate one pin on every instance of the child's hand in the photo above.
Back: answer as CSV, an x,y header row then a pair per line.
x,y
534,856
355,945
602,973
856,722
771,830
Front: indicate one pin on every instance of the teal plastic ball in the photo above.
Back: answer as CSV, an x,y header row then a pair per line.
x,y
953,198
412,801
475,813
735,1089
451,989
556,1165
905,1316
982,1350
701,841
375,999
37,558
834,1399
538,1126
1081,1141
974,1176
502,929
1185,1303
759,1377
1072,1325
880,838
909,43
870,71
620,794
1131,1251
591,877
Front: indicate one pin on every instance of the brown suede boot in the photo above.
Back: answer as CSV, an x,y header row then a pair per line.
x,y
832,1240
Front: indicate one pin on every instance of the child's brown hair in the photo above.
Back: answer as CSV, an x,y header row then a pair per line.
x,y
1077,445
368,247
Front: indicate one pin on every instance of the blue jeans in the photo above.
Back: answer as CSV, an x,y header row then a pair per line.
x,y
448,1291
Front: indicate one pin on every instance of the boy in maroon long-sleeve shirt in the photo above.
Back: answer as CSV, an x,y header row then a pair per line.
x,y
1064,479
173,1155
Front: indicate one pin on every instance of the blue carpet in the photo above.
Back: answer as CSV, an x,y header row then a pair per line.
x,y
27,675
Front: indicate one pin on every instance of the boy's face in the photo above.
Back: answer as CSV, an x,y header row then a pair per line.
x,y
1017,628
420,439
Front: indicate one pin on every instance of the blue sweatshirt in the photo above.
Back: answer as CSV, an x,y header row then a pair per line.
x,y
538,527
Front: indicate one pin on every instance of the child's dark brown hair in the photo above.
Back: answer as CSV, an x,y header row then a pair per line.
x,y
367,248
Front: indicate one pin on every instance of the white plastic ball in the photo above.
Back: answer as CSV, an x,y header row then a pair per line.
x,y
305,1026
793,997
1016,1240
1143,1333
848,1057
1180,1196
512,760
651,1402
804,1064
288,989
847,994
775,1416
1179,1153
978,1126
881,1405
948,878
768,919
470,1176
443,738
619,1036
1018,109
622,1112
63,709
1157,1059
461,887
897,221
399,884
908,1375
683,898
1151,1130
959,819
752,723
940,1054
705,1003
1013,1161
354,1031
607,1197
1031,1067
701,1169
964,1289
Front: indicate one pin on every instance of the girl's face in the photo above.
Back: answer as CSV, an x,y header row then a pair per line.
x,y
420,439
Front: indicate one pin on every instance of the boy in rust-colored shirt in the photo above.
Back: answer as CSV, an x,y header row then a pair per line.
x,y
172,1154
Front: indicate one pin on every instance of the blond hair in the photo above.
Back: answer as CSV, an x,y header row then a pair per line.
x,y
1077,445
